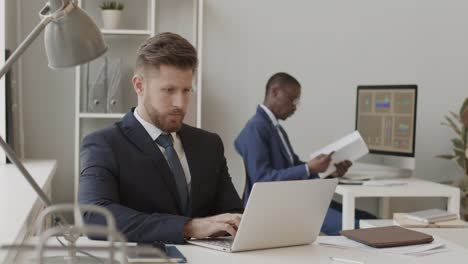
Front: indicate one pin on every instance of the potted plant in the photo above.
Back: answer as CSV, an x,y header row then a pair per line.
x,y
111,12
458,122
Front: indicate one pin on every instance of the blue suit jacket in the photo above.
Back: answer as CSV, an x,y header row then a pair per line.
x,y
264,155
123,170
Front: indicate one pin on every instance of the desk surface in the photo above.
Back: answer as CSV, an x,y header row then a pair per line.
x,y
307,254
413,188
317,254
17,198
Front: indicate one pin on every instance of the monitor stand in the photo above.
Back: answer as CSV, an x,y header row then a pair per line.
x,y
381,167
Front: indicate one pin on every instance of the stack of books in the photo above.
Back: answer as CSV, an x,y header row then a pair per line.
x,y
432,218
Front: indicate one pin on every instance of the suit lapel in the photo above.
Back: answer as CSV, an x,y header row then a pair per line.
x,y
191,154
275,132
137,134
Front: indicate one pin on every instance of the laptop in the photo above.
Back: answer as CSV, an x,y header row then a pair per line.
x,y
279,214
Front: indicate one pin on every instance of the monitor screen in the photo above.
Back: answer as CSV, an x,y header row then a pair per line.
x,y
386,118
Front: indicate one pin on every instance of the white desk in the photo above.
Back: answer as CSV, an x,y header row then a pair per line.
x,y
19,204
303,254
414,188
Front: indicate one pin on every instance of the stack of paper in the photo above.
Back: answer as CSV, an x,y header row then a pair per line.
x,y
432,215
384,183
401,219
348,181
350,147
416,250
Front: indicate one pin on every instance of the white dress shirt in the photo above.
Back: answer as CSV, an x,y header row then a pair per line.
x,y
275,122
154,133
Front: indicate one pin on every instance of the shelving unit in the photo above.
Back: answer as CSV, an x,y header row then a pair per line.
x,y
126,32
140,20
101,115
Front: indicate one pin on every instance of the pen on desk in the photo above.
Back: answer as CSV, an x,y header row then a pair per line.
x,y
346,260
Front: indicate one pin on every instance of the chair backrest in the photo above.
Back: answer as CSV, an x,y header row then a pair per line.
x,y
244,182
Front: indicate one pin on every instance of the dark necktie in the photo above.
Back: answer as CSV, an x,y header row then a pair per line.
x,y
282,135
166,141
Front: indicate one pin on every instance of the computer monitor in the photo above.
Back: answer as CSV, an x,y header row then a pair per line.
x,y
386,120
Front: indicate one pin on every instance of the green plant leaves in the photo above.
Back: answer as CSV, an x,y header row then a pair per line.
x,y
111,5
464,106
447,157
458,144
450,123
459,124
455,116
461,162
464,118
464,113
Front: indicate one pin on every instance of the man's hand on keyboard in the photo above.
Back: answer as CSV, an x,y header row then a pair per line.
x,y
212,226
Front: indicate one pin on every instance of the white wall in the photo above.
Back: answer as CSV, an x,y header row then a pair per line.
x,y
331,46
48,107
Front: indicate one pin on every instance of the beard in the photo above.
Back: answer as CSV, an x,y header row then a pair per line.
x,y
168,122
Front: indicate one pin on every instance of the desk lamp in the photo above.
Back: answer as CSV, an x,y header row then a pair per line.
x,y
71,38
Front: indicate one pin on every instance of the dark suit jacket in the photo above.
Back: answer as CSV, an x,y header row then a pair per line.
x,y
123,170
265,157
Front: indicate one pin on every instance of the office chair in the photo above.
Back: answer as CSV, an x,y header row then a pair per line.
x,y
246,182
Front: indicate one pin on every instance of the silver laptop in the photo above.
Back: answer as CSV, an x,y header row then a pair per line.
x,y
279,214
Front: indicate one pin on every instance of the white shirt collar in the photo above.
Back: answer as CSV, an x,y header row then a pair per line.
x,y
270,114
152,130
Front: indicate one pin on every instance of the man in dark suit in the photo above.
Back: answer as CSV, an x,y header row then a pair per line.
x,y
268,155
162,180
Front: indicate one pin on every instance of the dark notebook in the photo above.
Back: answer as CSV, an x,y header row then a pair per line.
x,y
389,236
173,255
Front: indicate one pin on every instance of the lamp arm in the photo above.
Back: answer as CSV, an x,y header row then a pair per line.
x,y
11,154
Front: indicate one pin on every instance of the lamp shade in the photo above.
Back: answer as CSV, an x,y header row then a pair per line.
x,y
72,40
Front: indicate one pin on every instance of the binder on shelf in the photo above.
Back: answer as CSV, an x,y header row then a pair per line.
x,y
104,92
97,90
114,89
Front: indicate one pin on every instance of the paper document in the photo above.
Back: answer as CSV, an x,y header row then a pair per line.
x,y
401,220
350,147
385,183
414,250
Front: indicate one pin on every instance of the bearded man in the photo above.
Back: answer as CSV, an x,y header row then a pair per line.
x,y
162,180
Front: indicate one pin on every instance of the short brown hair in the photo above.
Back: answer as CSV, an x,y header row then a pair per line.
x,y
167,49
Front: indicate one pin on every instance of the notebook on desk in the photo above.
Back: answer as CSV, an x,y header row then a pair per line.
x,y
149,254
388,236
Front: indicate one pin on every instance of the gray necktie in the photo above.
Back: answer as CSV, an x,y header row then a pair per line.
x,y
166,141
